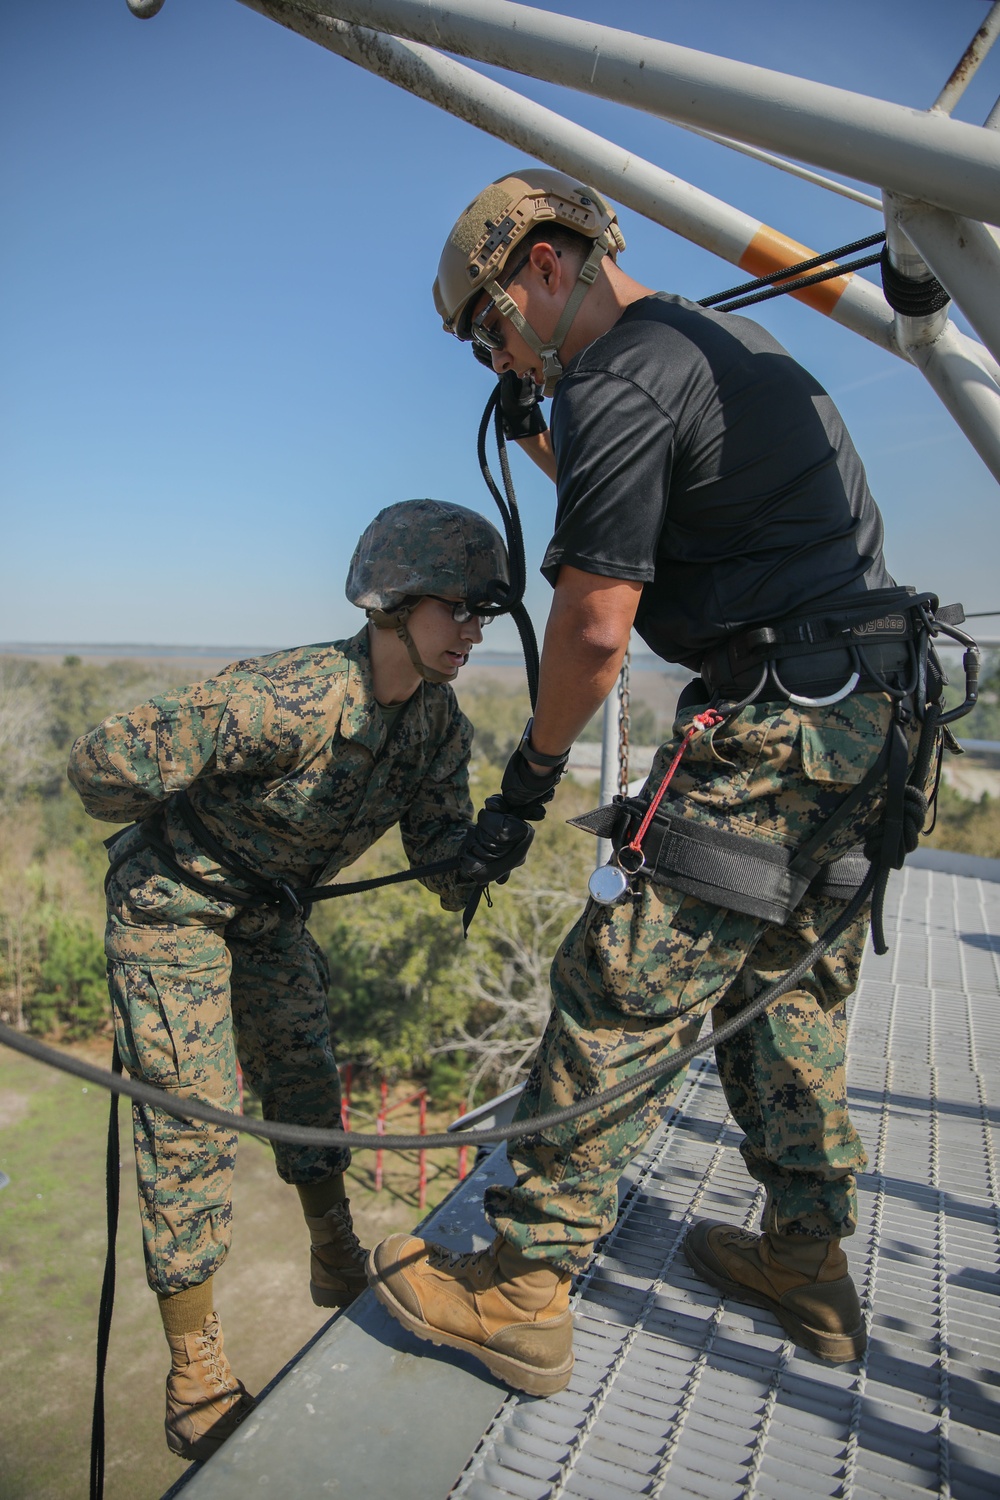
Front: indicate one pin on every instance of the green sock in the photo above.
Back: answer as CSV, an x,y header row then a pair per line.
x,y
318,1197
186,1311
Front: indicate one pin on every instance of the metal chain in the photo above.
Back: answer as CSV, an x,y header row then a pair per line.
x,y
623,722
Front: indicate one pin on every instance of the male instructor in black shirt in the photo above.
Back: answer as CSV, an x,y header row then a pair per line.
x,y
706,486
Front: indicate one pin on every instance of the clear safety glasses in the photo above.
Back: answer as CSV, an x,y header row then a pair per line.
x,y
490,340
461,613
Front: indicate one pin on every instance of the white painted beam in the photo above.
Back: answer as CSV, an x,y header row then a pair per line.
x,y
924,155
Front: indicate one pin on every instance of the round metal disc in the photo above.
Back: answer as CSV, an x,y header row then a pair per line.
x,y
608,884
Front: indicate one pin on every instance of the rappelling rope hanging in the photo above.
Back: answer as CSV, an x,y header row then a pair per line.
x,y
303,1135
507,505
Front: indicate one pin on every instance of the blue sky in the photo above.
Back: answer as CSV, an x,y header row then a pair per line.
x,y
220,355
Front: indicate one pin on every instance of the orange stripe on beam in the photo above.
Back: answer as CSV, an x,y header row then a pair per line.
x,y
770,251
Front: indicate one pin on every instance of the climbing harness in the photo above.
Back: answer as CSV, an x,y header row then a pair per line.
x,y
294,901
885,642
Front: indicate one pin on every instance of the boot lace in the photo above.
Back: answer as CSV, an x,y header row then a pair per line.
x,y
217,1371
461,1262
344,1242
742,1238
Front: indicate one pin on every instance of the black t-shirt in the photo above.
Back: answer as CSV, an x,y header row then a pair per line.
x,y
695,456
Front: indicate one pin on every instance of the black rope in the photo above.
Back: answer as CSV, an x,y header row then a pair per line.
x,y
794,286
796,271
912,296
507,505
113,1176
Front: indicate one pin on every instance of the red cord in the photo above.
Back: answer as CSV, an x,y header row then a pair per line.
x,y
707,720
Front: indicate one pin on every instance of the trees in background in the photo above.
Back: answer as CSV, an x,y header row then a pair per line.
x,y
51,854
408,994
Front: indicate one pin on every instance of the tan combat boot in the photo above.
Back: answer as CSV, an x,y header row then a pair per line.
x,y
803,1281
337,1261
509,1312
205,1401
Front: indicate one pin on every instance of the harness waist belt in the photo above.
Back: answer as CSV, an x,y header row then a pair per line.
x,y
743,874
815,673
871,635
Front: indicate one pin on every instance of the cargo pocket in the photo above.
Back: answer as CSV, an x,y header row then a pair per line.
x,y
837,754
145,1035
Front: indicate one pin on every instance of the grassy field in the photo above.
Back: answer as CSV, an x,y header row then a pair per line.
x,y
52,1229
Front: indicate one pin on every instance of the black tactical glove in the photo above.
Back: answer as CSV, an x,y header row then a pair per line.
x,y
498,844
520,407
524,791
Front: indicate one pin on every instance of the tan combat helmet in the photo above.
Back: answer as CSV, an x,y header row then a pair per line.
x,y
489,231
420,547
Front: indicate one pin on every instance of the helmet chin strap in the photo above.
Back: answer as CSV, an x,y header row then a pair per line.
x,y
548,353
396,620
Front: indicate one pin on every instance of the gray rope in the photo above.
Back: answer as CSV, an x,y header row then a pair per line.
x,y
306,1135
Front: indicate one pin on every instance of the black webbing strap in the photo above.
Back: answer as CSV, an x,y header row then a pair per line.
x,y
881,618
727,869
113,1178
265,892
749,874
757,878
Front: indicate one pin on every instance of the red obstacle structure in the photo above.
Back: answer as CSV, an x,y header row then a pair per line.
x,y
385,1109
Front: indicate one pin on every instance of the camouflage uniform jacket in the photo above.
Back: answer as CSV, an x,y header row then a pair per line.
x,y
289,766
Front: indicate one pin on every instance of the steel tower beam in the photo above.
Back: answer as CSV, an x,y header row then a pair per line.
x,y
961,371
968,64
964,257
630,180
964,387
923,155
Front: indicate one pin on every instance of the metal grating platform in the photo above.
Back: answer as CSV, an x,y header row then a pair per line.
x,y
676,1392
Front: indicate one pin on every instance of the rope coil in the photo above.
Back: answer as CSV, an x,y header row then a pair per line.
x,y
911,296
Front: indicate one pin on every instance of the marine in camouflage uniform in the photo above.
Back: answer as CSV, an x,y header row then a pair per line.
x,y
708,493
636,980
294,767
287,762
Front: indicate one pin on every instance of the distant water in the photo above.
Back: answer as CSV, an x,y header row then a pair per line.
x,y
128,648
645,662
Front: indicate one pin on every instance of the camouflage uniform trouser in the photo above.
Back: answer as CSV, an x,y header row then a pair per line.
x,y
636,980
189,997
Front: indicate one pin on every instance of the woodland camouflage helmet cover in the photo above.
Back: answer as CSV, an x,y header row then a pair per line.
x,y
419,547
490,229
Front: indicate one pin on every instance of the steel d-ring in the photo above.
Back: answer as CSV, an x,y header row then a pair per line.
x,y
609,882
630,860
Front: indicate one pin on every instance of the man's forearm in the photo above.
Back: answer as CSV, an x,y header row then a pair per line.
x,y
585,642
539,449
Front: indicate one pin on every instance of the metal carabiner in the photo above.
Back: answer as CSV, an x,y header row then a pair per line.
x,y
288,899
801,701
